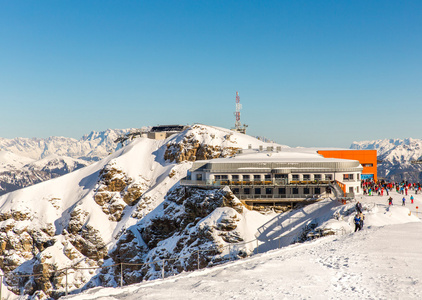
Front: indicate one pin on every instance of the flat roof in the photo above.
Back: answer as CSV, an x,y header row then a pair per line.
x,y
254,160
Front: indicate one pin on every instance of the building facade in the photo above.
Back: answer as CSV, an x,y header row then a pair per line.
x,y
257,175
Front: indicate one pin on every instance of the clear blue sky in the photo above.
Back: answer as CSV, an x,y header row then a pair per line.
x,y
309,73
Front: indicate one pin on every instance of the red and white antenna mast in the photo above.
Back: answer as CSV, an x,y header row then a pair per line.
x,y
238,125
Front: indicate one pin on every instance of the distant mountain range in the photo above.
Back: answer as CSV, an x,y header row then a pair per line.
x,y
27,161
395,158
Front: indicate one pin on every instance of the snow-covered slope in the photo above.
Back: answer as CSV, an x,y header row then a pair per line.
x,y
379,262
396,156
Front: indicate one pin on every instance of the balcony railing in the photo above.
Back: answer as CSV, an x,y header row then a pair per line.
x,y
237,183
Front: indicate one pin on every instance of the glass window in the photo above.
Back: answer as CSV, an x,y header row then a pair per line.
x,y
306,177
246,177
317,176
317,191
235,177
267,177
258,191
282,191
247,191
217,177
199,177
268,191
295,177
280,176
295,191
257,177
328,177
306,190
224,177
236,191
345,176
351,176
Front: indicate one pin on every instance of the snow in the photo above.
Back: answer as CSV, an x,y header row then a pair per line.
x,y
374,263
379,262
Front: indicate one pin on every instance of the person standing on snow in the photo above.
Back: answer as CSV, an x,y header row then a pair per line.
x,y
404,201
359,207
357,222
390,201
411,199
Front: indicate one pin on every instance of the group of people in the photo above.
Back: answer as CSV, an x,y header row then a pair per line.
x,y
371,187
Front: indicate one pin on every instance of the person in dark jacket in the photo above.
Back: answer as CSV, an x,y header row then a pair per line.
x,y
359,207
357,222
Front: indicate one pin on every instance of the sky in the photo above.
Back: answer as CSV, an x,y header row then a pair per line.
x,y
308,73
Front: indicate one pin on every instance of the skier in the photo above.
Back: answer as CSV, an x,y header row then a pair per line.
x,y
411,199
390,201
404,201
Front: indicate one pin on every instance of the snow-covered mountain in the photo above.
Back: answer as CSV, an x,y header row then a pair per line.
x,y
93,146
84,218
396,156
26,161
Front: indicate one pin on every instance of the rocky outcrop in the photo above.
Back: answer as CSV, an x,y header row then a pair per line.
x,y
116,190
191,149
186,224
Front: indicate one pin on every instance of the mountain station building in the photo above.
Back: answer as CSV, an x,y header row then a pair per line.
x,y
258,176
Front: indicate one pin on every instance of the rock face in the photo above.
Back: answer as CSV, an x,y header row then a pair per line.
x,y
191,149
192,219
116,190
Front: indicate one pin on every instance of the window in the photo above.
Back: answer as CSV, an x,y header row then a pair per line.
x,y
317,176
217,177
328,176
246,191
367,165
257,177
280,176
282,191
306,190
268,191
236,191
357,176
224,177
199,177
235,177
347,177
246,177
268,177
317,191
295,177
258,191
306,177
295,191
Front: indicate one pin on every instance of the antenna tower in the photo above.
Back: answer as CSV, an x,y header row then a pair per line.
x,y
238,125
